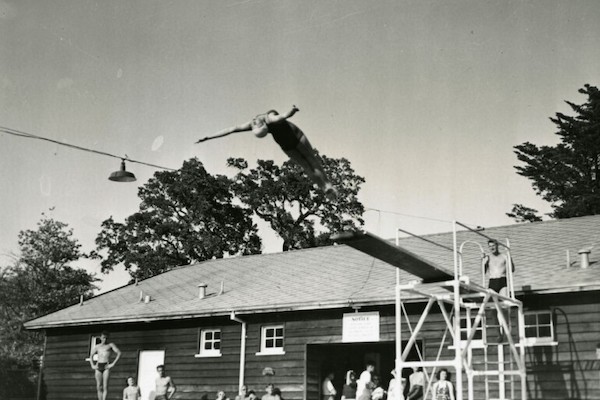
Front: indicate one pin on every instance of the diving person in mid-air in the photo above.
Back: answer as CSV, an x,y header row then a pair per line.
x,y
291,140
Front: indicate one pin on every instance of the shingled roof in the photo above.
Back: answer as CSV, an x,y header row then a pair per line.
x,y
337,276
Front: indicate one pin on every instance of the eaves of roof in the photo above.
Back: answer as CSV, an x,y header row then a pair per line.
x,y
335,277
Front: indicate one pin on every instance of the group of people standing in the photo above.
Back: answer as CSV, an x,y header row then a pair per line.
x,y
165,388
368,386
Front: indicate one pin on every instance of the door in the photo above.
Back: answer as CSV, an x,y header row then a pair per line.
x,y
148,360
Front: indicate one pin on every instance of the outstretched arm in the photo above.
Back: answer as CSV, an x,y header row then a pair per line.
x,y
239,128
274,117
293,111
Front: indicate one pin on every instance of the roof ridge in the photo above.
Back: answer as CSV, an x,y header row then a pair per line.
x,y
509,226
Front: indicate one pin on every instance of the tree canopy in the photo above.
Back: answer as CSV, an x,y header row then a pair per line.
x,y
568,175
294,207
520,213
185,215
39,282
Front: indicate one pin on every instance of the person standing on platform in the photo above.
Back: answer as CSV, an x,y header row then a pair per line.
x,y
495,264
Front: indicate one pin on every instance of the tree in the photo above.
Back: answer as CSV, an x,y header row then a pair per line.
x,y
289,201
185,215
520,213
568,175
39,282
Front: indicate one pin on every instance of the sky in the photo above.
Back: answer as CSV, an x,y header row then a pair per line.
x,y
426,99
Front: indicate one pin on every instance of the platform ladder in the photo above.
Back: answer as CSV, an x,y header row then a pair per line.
x,y
500,362
465,297
502,367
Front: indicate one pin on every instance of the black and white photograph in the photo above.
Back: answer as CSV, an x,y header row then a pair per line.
x,y
300,199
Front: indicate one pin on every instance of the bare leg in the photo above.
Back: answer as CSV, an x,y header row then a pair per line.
x,y
504,292
305,156
105,376
99,388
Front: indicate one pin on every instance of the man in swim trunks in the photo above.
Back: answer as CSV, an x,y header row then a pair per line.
x,y
165,388
103,365
496,265
292,141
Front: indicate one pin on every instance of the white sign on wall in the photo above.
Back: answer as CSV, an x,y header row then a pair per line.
x,y
360,327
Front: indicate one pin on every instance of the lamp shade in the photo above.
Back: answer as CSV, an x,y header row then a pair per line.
x,y
122,175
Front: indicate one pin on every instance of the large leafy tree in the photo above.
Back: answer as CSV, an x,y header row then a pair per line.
x,y
185,215
41,280
568,175
294,207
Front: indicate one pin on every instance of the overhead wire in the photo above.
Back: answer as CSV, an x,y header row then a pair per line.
x,y
406,215
15,132
422,217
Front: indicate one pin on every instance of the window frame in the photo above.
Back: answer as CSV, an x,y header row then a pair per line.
x,y
539,340
275,350
470,319
94,341
201,351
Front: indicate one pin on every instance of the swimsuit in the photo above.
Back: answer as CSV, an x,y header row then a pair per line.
x,y
101,366
286,134
496,284
442,392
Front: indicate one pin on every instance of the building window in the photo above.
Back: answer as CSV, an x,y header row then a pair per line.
x,y
271,340
539,328
94,341
209,343
466,324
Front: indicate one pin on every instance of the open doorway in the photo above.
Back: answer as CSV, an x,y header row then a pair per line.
x,y
341,357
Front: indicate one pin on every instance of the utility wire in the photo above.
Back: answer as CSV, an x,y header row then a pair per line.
x,y
15,132
420,217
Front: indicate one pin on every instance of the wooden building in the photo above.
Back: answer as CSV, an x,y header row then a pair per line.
x,y
290,318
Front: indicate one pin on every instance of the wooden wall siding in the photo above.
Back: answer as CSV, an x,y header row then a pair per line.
x,y
568,370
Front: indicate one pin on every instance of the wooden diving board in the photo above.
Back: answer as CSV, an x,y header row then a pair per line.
x,y
394,255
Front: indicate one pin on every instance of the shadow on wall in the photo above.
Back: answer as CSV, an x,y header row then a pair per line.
x,y
552,378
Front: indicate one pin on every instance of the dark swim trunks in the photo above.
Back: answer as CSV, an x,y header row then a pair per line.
x,y
496,284
286,134
101,366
